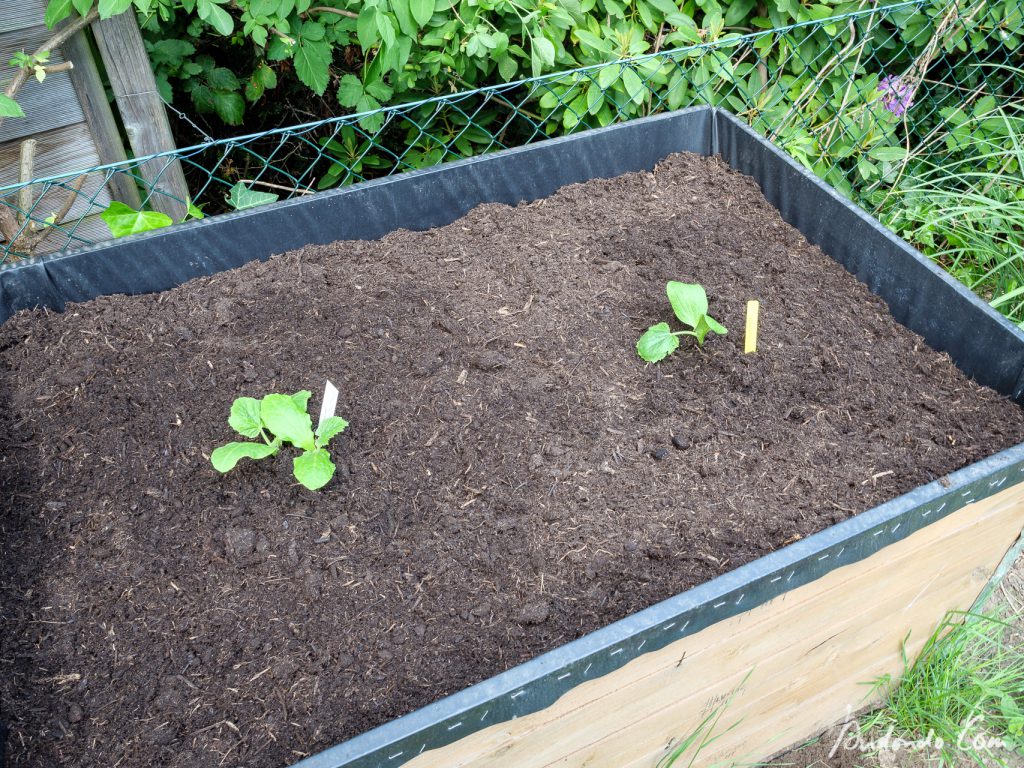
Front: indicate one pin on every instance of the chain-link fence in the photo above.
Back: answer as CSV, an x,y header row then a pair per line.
x,y
857,98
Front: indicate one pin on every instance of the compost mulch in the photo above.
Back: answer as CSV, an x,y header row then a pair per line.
x,y
514,475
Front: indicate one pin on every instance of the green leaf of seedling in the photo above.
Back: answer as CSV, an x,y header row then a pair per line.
x,y
123,220
704,324
689,301
288,421
242,197
227,456
329,429
715,326
314,469
245,416
700,330
301,399
657,343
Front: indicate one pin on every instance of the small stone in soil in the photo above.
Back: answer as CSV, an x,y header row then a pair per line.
x,y
681,443
660,453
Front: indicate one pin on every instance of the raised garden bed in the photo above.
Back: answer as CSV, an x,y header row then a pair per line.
x,y
514,476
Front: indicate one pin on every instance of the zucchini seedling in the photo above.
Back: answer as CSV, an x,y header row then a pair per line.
x,y
280,419
690,304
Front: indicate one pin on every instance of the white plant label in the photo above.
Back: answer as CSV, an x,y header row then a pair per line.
x,y
330,403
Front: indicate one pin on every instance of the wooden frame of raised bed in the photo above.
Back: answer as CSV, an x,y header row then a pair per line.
x,y
788,639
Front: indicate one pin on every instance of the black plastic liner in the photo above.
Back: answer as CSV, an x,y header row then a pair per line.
x,y
920,295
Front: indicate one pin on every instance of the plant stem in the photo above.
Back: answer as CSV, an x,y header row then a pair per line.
x,y
58,39
338,11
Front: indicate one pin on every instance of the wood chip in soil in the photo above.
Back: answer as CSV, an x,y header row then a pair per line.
x,y
514,475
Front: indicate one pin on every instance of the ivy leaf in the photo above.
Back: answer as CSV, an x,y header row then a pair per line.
x,y
330,427
245,417
287,421
242,197
314,469
227,456
657,343
313,63
422,10
57,11
9,107
123,220
82,6
689,302
194,211
350,91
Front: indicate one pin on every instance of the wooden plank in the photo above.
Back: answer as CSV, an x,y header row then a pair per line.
x,y
19,14
91,97
142,112
77,234
88,231
808,653
59,151
28,39
106,136
47,105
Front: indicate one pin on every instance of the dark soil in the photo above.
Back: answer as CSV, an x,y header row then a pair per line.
x,y
513,478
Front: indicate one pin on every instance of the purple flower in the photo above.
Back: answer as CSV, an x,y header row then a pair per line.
x,y
897,96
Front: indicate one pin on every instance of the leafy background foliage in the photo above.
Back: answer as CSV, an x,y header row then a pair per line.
x,y
268,63
875,99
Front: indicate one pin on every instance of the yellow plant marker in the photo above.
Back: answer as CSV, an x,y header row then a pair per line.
x,y
750,338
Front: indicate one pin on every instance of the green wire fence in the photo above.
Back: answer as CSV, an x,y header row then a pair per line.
x,y
863,99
